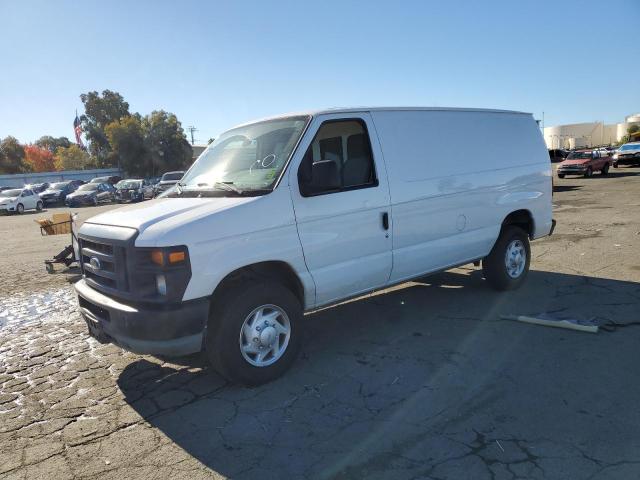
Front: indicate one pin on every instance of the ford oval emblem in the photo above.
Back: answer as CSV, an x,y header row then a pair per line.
x,y
95,263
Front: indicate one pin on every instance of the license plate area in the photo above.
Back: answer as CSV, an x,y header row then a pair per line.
x,y
95,316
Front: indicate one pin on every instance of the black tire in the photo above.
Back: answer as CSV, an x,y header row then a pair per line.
x,y
589,172
225,324
494,266
605,169
39,206
20,209
561,175
615,165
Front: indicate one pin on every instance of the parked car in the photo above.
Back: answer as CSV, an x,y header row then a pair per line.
x,y
17,200
2,189
584,163
557,155
37,187
133,190
112,179
91,194
627,154
57,192
167,181
290,214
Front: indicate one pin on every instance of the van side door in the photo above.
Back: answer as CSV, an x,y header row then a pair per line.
x,y
340,196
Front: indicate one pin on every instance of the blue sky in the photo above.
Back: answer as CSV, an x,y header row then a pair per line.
x,y
216,64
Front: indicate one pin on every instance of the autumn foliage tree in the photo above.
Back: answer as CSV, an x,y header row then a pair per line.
x,y
72,158
38,159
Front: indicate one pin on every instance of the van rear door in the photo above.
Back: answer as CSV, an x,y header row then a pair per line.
x,y
341,199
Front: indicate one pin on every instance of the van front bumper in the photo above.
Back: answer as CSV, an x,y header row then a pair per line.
x,y
172,330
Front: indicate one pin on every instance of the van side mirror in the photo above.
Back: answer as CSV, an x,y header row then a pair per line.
x,y
324,177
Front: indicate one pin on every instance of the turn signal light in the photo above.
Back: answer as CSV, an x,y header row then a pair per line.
x,y
176,257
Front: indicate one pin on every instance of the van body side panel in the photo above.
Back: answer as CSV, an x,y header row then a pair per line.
x,y
346,248
454,176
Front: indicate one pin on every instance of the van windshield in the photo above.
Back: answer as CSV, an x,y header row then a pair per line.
x,y
247,159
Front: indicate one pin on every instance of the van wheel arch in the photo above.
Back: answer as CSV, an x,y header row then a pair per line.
x,y
520,218
278,271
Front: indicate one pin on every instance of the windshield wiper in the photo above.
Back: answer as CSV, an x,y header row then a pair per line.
x,y
229,187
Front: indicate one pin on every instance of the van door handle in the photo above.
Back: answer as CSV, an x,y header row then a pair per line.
x,y
385,220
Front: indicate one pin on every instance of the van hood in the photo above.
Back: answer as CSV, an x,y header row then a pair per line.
x,y
174,210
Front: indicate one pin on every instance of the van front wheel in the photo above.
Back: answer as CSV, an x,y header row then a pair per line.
x,y
253,336
507,265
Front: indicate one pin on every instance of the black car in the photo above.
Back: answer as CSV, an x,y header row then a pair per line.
x,y
57,192
37,187
91,194
557,155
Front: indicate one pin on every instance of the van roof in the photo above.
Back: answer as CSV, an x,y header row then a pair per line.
x,y
378,109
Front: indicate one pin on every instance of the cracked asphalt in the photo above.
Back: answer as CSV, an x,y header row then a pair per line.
x,y
423,381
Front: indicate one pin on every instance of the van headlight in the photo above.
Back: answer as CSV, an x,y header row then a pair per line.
x,y
615,156
161,273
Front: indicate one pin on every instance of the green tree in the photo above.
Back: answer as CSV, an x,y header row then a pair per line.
x,y
72,158
52,143
166,142
12,156
126,137
100,111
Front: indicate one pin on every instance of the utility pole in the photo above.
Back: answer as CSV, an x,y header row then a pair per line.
x,y
192,129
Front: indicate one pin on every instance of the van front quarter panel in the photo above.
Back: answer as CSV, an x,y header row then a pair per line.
x,y
262,230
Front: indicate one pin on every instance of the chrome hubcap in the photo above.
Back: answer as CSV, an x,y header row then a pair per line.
x,y
515,258
265,335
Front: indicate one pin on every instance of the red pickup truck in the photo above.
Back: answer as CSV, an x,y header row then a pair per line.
x,y
584,163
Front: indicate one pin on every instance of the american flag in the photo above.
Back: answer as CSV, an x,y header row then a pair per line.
x,y
77,128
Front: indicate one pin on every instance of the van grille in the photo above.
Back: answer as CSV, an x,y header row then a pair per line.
x,y
104,264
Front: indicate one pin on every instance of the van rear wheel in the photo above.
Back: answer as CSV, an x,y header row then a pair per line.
x,y
254,335
507,265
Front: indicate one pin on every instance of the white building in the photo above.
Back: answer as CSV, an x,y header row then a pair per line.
x,y
584,135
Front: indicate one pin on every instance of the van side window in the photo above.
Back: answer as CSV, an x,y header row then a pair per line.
x,y
338,159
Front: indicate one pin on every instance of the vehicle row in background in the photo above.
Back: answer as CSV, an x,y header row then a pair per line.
x,y
75,193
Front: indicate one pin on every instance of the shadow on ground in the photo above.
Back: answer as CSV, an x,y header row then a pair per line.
x,y
424,381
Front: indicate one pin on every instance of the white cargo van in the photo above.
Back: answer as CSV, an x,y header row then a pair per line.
x,y
284,215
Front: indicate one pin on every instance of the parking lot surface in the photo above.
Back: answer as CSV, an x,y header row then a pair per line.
x,y
421,381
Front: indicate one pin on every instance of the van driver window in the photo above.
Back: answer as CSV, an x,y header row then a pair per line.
x,y
338,159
